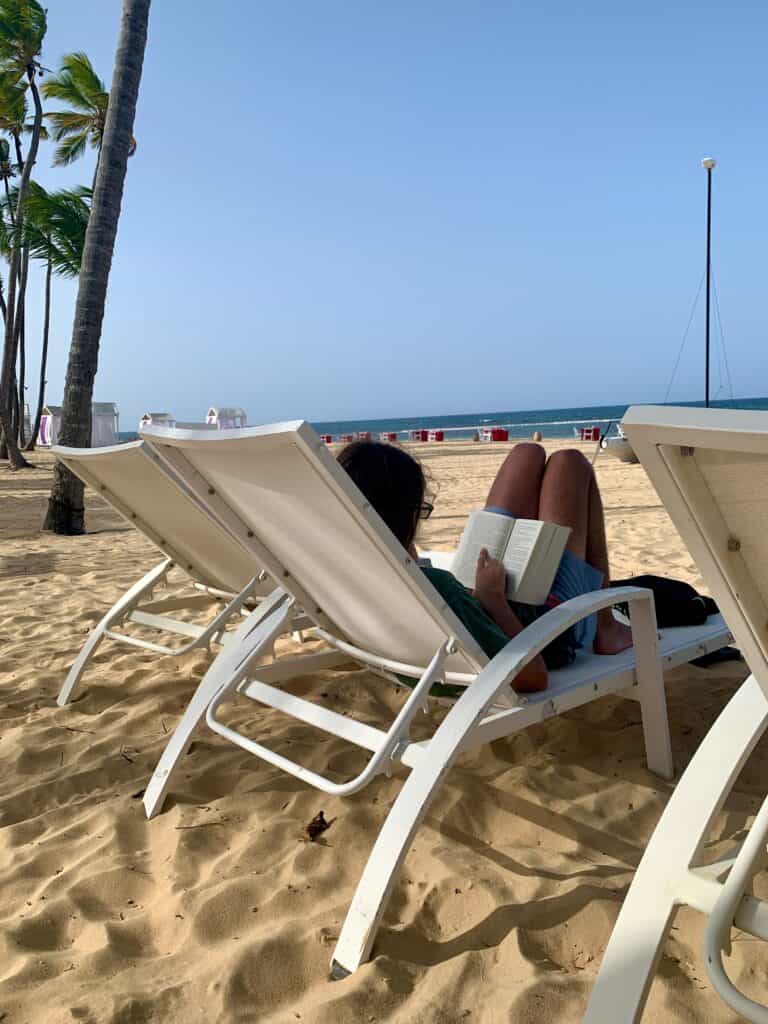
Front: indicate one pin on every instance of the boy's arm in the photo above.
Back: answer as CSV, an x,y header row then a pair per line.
x,y
490,591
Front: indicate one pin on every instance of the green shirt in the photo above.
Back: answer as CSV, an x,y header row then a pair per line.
x,y
466,606
492,638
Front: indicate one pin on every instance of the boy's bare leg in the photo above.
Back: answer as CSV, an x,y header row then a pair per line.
x,y
564,497
518,482
612,636
570,497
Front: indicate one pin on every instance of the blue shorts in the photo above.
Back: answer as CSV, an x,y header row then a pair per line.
x,y
574,577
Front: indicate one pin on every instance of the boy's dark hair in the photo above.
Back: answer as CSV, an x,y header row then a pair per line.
x,y
391,480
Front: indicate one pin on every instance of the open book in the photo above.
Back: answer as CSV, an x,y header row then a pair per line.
x,y
530,550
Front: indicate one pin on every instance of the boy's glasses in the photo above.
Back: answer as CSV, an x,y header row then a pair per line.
x,y
426,509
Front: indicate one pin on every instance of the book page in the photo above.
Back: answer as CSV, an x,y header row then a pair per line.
x,y
520,549
535,581
483,530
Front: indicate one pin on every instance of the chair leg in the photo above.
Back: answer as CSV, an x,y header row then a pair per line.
x,y
252,638
116,613
406,814
638,938
651,692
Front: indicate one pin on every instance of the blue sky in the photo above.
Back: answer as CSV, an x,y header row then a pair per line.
x,y
365,209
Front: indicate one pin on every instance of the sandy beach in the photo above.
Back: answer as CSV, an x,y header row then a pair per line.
x,y
221,910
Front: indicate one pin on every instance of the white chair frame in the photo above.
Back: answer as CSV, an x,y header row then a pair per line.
x,y
137,604
670,874
130,608
487,710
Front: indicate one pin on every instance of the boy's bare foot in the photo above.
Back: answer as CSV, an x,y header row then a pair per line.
x,y
612,636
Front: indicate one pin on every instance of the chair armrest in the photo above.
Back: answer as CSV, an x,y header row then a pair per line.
x,y
523,648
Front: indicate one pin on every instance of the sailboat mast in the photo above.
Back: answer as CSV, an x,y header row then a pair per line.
x,y
708,163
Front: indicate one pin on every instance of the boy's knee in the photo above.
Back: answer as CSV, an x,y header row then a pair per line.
x,y
570,459
529,450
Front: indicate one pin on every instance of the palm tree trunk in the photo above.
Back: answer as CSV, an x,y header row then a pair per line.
x,y
10,207
43,359
15,458
65,505
19,155
22,344
96,169
14,408
17,383
20,433
3,445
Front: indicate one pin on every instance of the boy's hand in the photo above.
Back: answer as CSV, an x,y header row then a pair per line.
x,y
490,581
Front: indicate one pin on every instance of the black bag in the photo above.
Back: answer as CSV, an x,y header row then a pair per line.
x,y
677,603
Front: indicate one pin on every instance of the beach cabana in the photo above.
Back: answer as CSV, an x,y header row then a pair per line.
x,y
710,469
104,425
226,417
288,502
50,425
157,419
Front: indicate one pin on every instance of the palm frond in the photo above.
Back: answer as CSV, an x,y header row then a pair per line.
x,y
67,122
6,228
8,203
13,102
23,25
78,85
70,149
55,224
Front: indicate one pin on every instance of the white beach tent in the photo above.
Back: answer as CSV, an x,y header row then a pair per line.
x,y
50,425
104,425
226,417
105,422
157,419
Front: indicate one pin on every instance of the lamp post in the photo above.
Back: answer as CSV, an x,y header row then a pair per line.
x,y
708,163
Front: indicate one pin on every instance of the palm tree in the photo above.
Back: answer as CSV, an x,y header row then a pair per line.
x,y
22,30
13,114
78,85
13,121
65,505
55,225
13,110
6,173
6,167
54,232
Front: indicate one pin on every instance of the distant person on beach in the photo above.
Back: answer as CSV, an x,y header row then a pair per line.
x,y
561,489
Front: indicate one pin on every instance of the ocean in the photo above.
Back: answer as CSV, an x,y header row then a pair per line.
x,y
551,422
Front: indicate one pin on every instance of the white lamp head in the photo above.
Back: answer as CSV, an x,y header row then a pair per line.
x,y
708,163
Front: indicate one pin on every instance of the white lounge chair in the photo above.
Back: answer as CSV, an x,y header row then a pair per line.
x,y
710,468
146,491
286,499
